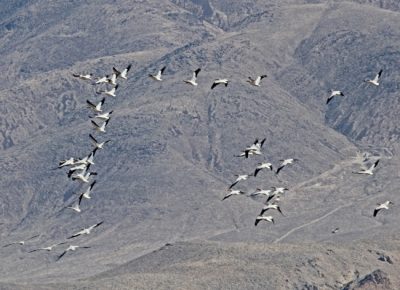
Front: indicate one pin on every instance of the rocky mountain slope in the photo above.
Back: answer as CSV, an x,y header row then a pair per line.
x,y
162,178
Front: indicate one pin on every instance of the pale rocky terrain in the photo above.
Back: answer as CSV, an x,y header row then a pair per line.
x,y
161,180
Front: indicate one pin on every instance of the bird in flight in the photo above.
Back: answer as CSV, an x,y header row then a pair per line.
x,y
256,82
334,94
157,77
381,206
220,81
192,81
375,80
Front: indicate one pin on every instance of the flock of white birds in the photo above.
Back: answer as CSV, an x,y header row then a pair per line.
x,y
79,168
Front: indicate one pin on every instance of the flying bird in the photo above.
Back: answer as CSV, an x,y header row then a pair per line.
x,y
375,80
97,144
110,92
284,163
21,242
49,248
67,162
103,116
86,77
96,107
102,80
270,206
381,206
261,192
102,127
262,166
233,192
86,193
192,81
239,178
279,189
370,170
334,94
219,81
71,248
123,74
256,82
86,231
75,207
335,230
157,77
264,218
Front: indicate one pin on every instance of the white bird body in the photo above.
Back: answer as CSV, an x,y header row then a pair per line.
x,y
334,94
375,80
219,81
270,206
104,116
123,74
370,170
259,191
256,82
157,77
96,107
75,207
99,145
284,163
381,206
102,80
110,92
83,176
101,128
67,162
239,178
279,189
261,166
264,218
85,231
85,77
86,193
192,81
49,248
71,248
233,192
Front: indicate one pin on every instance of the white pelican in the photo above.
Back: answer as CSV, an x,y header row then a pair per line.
x,y
262,166
370,170
102,127
264,218
256,82
97,144
233,192
67,162
192,81
86,193
85,231
334,94
375,81
83,166
83,176
103,116
102,80
21,242
96,107
279,189
220,81
270,206
49,248
110,92
381,206
123,74
261,192
285,162
239,178
157,77
86,77
113,80
71,248
335,230
75,207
